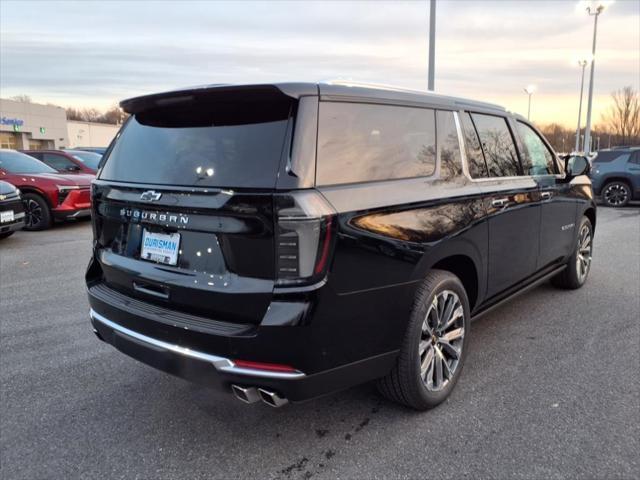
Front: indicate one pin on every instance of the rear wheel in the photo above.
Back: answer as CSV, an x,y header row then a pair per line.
x,y
616,194
579,265
37,215
433,350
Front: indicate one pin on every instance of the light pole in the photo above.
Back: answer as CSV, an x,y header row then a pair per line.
x,y
432,46
529,91
593,10
583,64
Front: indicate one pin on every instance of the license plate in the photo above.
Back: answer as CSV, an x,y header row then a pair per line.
x,y
6,216
160,247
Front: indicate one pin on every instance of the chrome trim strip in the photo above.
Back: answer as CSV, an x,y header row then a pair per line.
x,y
220,363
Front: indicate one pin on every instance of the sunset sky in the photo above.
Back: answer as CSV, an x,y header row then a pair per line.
x,y
94,54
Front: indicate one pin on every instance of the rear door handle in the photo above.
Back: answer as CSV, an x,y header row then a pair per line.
x,y
500,202
546,195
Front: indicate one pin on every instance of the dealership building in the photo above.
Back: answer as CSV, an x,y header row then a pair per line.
x,y
25,125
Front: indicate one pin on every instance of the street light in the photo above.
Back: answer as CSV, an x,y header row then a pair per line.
x,y
529,91
583,64
432,46
594,9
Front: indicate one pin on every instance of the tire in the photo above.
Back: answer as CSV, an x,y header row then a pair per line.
x,y
37,215
5,235
409,383
616,194
579,265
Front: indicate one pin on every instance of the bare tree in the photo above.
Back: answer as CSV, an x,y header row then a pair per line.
x,y
623,117
21,98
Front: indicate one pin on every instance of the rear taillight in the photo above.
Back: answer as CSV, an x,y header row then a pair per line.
x,y
305,223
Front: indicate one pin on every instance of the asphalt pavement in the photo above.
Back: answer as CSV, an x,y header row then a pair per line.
x,y
551,389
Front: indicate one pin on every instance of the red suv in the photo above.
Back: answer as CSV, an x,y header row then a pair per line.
x,y
68,161
46,194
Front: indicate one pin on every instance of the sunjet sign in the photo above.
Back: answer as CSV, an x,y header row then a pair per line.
x,y
16,122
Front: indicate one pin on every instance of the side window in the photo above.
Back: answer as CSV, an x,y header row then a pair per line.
x,y
448,145
539,160
35,155
58,161
364,142
635,158
475,157
497,144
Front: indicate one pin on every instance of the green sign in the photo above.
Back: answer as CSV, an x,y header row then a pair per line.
x,y
16,127
43,130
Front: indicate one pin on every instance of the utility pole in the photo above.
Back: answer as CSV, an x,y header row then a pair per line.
x,y
432,46
595,12
583,64
529,91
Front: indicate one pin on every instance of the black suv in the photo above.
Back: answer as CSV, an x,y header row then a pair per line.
x,y
285,241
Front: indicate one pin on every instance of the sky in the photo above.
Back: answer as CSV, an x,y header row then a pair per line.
x,y
94,54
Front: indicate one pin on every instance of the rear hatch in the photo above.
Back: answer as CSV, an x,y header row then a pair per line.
x,y
184,206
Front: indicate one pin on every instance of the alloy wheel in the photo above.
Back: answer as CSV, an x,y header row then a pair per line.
x,y
583,259
33,213
441,340
616,194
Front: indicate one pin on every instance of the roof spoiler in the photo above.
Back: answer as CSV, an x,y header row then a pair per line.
x,y
245,92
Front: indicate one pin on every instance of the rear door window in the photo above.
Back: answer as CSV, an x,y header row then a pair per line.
x,y
448,145
497,144
365,142
201,143
538,158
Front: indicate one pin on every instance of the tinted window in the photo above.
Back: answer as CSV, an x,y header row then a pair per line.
x,y
90,159
448,145
475,157
361,142
203,143
608,156
635,158
59,162
538,158
497,145
16,162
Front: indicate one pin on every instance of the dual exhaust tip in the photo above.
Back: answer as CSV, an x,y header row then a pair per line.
x,y
254,394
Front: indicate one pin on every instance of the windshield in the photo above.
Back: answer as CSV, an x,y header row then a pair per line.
x,y
16,162
204,143
90,159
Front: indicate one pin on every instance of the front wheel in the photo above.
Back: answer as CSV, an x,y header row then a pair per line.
x,y
616,194
434,346
579,265
37,215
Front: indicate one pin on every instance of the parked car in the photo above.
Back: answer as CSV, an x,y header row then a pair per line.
x,y
98,150
11,210
286,241
46,194
616,175
68,161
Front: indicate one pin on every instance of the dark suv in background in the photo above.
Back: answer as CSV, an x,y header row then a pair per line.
x,y
286,241
616,175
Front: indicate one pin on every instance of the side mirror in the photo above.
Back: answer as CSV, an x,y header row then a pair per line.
x,y
576,165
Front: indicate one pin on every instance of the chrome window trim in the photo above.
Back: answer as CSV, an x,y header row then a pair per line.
x,y
220,363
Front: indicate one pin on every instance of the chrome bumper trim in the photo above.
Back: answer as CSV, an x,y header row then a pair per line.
x,y
220,363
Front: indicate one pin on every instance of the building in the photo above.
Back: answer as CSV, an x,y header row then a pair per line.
x,y
31,125
90,134
26,125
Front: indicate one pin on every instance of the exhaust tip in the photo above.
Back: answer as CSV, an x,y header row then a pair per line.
x,y
246,394
272,398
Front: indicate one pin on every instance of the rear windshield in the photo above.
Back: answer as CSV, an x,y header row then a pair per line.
x,y
203,143
90,159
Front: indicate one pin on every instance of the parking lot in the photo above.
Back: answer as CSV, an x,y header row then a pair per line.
x,y
551,389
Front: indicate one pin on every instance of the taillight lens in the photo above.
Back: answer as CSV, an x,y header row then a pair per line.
x,y
305,223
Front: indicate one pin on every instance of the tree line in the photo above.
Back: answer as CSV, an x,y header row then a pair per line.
x,y
619,125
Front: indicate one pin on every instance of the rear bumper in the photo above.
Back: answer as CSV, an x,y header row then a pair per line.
x,y
212,364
